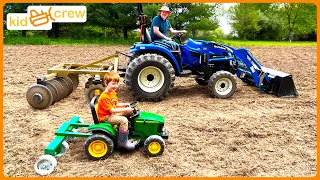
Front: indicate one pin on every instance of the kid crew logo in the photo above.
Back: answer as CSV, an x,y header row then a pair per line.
x,y
42,17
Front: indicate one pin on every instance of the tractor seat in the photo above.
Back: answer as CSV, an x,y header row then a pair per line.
x,y
93,107
146,38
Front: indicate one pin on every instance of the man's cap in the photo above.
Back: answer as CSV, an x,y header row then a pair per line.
x,y
164,8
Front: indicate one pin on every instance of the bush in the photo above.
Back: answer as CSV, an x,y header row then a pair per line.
x,y
12,33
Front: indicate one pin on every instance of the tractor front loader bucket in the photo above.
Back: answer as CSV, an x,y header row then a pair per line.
x,y
268,80
281,84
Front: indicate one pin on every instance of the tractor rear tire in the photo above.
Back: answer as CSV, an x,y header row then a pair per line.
x,y
89,93
222,84
98,146
150,77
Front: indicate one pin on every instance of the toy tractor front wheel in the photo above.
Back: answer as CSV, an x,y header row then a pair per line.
x,y
222,84
154,145
98,146
150,77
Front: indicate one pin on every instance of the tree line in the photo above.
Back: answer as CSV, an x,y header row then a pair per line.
x,y
255,21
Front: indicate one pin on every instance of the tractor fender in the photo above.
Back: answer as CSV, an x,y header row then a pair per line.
x,y
151,48
105,127
103,131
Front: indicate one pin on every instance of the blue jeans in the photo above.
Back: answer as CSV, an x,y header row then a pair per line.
x,y
174,45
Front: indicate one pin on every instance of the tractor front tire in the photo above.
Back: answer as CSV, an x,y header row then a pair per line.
x,y
150,77
154,146
98,146
222,84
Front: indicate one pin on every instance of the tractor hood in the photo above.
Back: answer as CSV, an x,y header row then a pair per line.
x,y
147,116
194,45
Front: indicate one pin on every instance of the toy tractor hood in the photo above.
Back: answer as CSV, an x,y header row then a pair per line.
x,y
147,116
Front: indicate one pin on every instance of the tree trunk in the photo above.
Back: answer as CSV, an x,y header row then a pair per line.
x,y
24,33
104,31
193,33
125,33
54,32
50,33
290,36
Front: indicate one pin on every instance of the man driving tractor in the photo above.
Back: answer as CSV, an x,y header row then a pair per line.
x,y
160,27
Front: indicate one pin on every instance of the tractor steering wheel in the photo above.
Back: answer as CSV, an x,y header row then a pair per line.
x,y
135,112
177,36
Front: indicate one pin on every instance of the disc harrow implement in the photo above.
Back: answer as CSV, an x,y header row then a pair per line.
x,y
62,79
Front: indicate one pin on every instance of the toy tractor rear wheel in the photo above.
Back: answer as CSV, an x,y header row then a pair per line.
x,y
154,145
98,146
150,77
222,84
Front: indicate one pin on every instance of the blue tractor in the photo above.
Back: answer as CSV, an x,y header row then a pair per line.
x,y
153,66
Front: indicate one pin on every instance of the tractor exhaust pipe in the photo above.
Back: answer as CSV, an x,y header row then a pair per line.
x,y
280,84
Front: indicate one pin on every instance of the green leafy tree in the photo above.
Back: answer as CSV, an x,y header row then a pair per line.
x,y
198,16
245,20
300,18
271,21
150,10
118,16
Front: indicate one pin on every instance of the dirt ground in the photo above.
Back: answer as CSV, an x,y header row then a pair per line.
x,y
251,134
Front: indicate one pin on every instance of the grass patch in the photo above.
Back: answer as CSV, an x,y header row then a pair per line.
x,y
122,41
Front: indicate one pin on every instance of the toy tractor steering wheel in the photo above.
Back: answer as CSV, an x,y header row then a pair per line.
x,y
134,104
135,112
177,36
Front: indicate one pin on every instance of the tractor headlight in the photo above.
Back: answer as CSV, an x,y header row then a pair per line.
x,y
160,128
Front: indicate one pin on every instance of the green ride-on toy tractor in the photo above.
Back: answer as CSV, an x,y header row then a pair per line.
x,y
102,138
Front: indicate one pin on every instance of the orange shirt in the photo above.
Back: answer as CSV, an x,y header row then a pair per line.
x,y
106,101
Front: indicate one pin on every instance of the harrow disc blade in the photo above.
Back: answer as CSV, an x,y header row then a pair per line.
x,y
39,96
70,85
53,90
59,88
65,86
75,80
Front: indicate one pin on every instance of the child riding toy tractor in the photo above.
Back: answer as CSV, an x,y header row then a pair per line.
x,y
102,138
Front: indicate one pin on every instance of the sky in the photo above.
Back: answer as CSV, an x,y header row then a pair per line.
x,y
223,19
